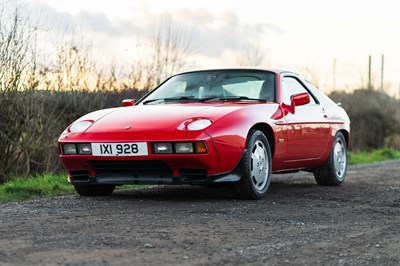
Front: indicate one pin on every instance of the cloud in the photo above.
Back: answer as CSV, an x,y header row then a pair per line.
x,y
211,32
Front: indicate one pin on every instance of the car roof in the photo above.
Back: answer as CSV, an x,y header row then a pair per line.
x,y
276,71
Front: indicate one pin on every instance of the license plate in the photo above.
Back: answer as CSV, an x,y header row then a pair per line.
x,y
120,149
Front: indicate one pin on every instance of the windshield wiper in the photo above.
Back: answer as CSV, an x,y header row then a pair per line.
x,y
191,98
234,98
182,98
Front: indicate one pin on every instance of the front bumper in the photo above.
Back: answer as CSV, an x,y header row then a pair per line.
x,y
188,176
150,169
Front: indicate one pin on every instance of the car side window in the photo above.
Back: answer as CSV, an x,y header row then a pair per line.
x,y
290,87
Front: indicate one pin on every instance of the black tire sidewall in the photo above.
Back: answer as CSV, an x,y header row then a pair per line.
x,y
246,174
325,175
338,136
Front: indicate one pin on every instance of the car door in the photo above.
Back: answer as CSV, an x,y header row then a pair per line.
x,y
307,129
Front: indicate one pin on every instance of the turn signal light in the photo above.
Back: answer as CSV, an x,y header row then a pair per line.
x,y
200,147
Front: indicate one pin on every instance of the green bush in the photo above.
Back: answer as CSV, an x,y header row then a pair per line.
x,y
393,141
31,122
374,117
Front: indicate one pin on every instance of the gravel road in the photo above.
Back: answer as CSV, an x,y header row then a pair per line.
x,y
298,223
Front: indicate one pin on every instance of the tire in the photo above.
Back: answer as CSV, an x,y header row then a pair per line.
x,y
333,171
94,190
256,167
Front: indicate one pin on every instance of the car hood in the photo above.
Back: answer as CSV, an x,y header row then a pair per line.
x,y
163,117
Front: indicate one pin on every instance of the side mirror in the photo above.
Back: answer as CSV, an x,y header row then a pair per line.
x,y
128,102
298,100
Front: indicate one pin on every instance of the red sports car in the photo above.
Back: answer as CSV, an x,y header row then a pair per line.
x,y
226,126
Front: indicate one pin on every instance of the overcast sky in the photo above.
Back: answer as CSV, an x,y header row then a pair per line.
x,y
304,36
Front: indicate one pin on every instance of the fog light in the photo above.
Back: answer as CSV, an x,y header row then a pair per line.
x,y
200,147
162,147
84,148
69,148
184,147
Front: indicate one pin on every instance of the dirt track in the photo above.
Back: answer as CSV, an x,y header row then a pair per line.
x,y
297,223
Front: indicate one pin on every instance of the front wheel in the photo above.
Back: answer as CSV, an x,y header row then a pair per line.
x,y
333,171
256,167
94,190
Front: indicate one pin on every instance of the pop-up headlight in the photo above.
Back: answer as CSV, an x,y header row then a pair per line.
x,y
79,126
195,124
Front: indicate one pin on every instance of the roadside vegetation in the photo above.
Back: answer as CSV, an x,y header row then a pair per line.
x,y
20,189
373,156
41,186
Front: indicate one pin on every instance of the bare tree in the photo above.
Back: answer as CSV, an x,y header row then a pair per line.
x,y
251,55
15,37
73,68
171,46
312,74
18,123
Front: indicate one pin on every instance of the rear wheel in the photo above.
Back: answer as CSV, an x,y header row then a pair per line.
x,y
333,171
256,167
94,190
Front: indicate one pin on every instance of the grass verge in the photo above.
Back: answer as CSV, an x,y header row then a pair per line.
x,y
373,156
20,189
43,186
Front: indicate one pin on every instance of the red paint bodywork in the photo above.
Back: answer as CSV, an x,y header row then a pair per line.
x,y
300,136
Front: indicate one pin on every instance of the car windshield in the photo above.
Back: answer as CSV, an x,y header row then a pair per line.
x,y
205,86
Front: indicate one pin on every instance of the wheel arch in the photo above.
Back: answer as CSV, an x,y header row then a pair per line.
x,y
268,132
346,135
